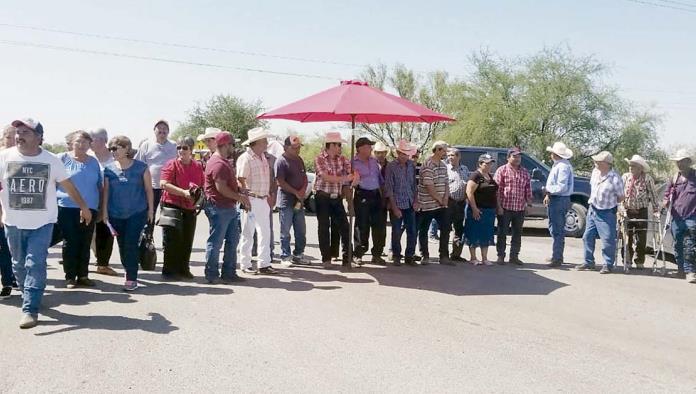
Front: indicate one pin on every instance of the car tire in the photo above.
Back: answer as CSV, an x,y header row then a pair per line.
x,y
311,204
576,218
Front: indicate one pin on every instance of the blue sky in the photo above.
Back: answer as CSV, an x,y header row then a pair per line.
x,y
650,50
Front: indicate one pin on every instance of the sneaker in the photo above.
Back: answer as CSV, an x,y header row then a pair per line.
x,y
476,262
487,262
85,281
446,261
130,285
326,264
554,263
5,293
267,271
417,258
249,270
299,259
378,260
691,277
516,261
425,260
28,321
586,267
501,260
106,270
71,283
286,259
606,269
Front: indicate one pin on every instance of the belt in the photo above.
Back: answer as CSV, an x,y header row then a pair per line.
x,y
608,209
365,191
251,194
332,196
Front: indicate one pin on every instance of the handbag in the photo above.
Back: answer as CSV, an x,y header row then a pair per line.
x,y
170,217
148,252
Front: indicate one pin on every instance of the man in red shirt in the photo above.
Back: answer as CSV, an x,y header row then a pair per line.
x,y
514,195
222,192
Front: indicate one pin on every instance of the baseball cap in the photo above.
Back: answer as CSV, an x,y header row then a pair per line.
x,y
514,151
35,125
292,140
161,121
603,156
485,158
363,141
224,138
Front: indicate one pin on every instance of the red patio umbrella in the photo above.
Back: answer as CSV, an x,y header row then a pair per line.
x,y
355,101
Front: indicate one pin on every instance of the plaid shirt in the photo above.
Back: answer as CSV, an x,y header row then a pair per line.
x,y
255,171
606,190
457,181
514,187
432,173
640,192
325,165
400,183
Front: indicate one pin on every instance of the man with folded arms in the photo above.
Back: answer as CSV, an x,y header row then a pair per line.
x,y
400,189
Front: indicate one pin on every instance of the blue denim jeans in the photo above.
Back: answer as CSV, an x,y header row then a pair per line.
x,y
557,209
295,218
224,227
29,250
407,222
684,235
129,231
601,223
5,260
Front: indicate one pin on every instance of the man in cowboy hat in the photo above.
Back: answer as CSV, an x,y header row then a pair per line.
x,y
254,175
639,189
156,152
458,175
380,152
559,187
607,192
400,189
680,197
433,197
208,138
368,204
334,177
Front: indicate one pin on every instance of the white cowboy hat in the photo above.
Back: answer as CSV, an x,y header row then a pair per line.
x,y
560,149
680,155
638,159
440,144
210,132
255,134
380,147
406,147
603,156
334,137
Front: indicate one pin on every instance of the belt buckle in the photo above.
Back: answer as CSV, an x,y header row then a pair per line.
x,y
333,195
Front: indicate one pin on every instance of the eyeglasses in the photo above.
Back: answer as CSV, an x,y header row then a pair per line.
x,y
182,147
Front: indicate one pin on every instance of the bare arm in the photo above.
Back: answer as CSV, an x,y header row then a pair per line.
x,y
174,189
69,188
227,192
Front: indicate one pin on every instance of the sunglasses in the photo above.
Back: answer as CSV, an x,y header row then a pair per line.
x,y
182,147
114,148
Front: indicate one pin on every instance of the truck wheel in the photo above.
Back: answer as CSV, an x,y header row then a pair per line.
x,y
575,220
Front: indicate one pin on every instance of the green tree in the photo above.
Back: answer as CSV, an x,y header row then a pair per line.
x,y
54,148
310,150
224,112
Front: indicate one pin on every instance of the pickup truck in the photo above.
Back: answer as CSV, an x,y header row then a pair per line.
x,y
576,216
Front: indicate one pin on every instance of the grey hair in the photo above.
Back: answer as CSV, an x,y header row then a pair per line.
x,y
100,133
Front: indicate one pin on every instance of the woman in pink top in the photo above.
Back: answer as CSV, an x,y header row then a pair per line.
x,y
181,181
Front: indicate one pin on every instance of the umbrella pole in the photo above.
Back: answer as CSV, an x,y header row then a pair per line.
x,y
351,202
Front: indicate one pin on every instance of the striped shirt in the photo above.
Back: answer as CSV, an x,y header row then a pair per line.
x,y
255,171
514,187
457,181
400,183
338,165
606,190
640,192
432,173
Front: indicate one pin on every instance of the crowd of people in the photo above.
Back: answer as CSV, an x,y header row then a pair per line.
x,y
102,190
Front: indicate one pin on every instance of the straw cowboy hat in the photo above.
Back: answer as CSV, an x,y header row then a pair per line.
x,y
210,132
639,160
680,155
255,134
380,147
560,149
406,148
334,137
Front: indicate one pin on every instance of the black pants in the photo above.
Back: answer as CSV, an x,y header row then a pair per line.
x,y
637,231
156,197
331,216
77,239
514,219
423,218
336,239
455,213
103,244
368,217
177,243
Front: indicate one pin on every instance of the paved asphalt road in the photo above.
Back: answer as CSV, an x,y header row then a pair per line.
x,y
393,329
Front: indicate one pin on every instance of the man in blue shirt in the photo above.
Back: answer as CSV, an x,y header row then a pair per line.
x,y
559,187
368,204
400,189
